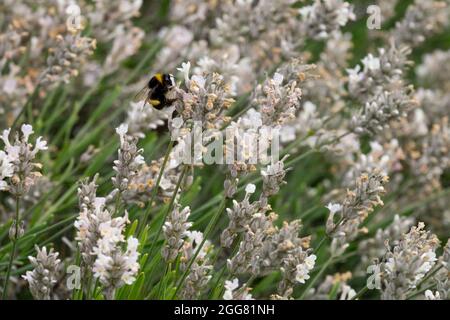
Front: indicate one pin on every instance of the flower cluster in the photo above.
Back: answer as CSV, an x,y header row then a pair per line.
x,y
433,72
326,89
100,240
240,216
175,230
422,20
114,266
407,263
199,274
129,161
45,273
278,98
92,215
334,287
265,247
142,185
233,292
206,100
324,17
66,58
375,248
243,212
354,209
380,87
17,161
433,157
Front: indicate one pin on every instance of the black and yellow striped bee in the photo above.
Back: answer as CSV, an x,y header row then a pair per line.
x,y
157,90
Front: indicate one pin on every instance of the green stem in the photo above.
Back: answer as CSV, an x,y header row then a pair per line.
x,y
360,293
13,251
169,208
415,294
117,204
224,268
155,189
161,282
421,283
89,287
207,233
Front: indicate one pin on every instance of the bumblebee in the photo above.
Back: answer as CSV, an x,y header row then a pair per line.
x,y
157,91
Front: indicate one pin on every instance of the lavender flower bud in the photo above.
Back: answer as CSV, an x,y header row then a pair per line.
x,y
375,248
17,161
381,109
66,60
198,276
273,178
114,266
355,208
175,230
129,161
16,233
403,266
44,275
205,101
324,17
230,187
233,292
422,20
240,216
88,227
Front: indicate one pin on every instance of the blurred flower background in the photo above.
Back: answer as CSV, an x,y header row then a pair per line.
x,y
94,197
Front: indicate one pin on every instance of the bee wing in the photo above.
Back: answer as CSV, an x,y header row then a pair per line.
x,y
142,94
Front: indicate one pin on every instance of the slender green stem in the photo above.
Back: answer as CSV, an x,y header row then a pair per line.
x,y
216,283
162,280
166,213
155,189
13,250
78,263
89,286
360,293
322,241
415,294
420,290
96,284
224,268
429,275
207,233
117,204
249,282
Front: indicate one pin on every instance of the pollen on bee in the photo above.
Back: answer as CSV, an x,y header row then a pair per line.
x,y
159,77
154,102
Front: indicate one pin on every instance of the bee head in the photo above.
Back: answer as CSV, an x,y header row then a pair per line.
x,y
169,80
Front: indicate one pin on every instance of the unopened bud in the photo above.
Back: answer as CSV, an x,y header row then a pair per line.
x,y
20,231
